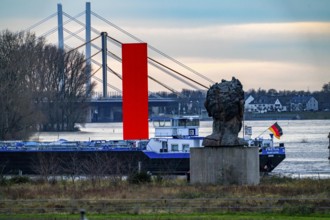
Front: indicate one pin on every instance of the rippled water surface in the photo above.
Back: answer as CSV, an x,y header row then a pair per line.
x,y
306,141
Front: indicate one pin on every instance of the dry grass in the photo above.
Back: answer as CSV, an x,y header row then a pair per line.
x,y
170,189
106,196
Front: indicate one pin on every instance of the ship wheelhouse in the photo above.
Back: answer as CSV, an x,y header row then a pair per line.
x,y
176,135
185,126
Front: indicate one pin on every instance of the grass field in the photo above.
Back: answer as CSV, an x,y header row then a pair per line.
x,y
164,198
196,216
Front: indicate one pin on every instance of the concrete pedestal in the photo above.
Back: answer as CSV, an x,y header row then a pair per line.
x,y
237,165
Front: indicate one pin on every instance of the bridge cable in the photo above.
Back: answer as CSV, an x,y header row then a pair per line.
x,y
89,58
64,23
165,86
67,70
81,23
49,32
114,56
120,77
95,72
177,72
115,73
153,48
101,81
119,59
80,38
167,72
40,22
97,78
109,85
74,34
82,44
115,40
94,30
118,42
111,70
173,75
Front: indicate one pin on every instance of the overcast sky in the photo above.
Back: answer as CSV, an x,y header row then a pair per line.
x,y
280,44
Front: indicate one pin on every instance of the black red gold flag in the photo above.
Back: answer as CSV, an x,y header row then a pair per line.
x,y
276,130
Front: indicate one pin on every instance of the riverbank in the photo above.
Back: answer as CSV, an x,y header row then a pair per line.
x,y
176,198
287,116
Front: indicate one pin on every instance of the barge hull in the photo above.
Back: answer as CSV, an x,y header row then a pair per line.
x,y
105,162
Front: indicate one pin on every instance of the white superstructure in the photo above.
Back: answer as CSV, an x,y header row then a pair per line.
x,y
175,135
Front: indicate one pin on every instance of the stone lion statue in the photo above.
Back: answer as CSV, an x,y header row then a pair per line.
x,y
225,104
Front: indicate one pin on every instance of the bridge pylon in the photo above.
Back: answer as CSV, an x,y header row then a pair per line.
x,y
88,44
104,36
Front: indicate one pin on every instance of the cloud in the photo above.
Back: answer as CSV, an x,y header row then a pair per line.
x,y
273,55
268,44
214,11
286,42
263,55
265,75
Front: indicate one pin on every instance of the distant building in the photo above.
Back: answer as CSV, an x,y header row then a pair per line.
x,y
304,103
247,106
264,104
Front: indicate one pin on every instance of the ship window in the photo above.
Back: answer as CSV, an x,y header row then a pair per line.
x,y
188,122
182,122
164,147
185,147
266,145
161,123
192,132
194,122
174,147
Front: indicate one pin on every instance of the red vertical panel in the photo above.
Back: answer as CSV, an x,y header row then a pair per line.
x,y
135,91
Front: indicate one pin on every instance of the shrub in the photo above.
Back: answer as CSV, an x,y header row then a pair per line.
x,y
19,179
298,209
138,178
4,181
267,180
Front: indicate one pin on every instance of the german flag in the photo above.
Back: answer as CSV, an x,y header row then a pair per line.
x,y
276,130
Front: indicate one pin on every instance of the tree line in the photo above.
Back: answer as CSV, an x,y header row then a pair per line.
x,y
192,101
41,86
322,96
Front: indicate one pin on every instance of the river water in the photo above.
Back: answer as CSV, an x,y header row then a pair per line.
x,y
306,142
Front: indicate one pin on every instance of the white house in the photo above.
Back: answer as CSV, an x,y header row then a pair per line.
x,y
304,103
247,106
265,104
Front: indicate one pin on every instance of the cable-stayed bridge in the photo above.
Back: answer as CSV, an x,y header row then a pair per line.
x,y
102,48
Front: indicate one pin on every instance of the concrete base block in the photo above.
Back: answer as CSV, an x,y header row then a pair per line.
x,y
236,165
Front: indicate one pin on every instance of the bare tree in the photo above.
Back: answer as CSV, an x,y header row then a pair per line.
x,y
72,166
47,165
18,116
116,168
76,92
39,85
95,168
63,92
3,165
